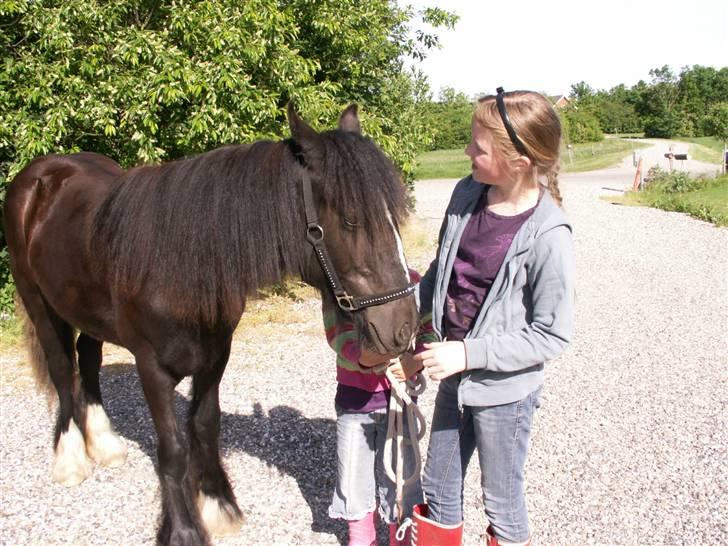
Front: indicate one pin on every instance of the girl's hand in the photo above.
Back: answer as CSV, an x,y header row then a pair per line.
x,y
443,359
395,366
404,367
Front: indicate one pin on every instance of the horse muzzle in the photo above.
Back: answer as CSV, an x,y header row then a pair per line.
x,y
391,328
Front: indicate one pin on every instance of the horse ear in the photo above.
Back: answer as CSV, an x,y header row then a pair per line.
x,y
309,140
349,120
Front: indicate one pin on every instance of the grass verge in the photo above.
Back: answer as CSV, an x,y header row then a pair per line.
x,y
705,199
598,155
707,149
451,163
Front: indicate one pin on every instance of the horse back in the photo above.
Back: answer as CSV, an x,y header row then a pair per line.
x,y
35,196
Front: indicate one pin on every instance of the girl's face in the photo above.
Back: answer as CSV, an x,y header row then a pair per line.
x,y
486,164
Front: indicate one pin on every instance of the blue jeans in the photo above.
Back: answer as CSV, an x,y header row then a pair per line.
x,y
360,477
500,433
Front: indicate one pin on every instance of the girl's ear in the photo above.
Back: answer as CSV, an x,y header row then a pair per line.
x,y
523,163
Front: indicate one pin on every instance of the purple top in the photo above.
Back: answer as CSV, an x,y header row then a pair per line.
x,y
357,400
483,246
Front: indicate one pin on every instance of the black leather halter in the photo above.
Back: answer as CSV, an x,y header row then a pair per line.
x,y
315,236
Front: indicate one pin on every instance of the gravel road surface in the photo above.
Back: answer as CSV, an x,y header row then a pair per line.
x,y
629,446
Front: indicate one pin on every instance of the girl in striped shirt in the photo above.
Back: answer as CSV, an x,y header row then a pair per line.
x,y
362,400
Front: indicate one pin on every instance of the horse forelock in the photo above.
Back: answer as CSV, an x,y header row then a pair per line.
x,y
361,181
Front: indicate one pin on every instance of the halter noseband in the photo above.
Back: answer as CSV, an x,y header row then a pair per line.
x,y
315,236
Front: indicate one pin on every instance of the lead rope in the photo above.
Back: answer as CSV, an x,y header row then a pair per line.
x,y
402,407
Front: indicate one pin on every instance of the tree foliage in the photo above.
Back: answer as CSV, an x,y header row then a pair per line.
x,y
146,81
669,105
580,125
715,122
449,119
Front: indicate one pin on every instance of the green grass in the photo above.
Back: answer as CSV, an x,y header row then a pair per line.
x,y
598,155
624,135
708,201
11,334
442,164
583,157
707,149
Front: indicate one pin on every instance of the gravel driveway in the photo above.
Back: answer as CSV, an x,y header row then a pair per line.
x,y
629,446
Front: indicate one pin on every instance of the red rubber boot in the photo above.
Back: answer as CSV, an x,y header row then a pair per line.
x,y
426,532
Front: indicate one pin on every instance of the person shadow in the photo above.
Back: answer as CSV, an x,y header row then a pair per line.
x,y
297,446
301,447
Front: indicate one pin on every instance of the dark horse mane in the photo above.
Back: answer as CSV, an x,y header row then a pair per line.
x,y
207,231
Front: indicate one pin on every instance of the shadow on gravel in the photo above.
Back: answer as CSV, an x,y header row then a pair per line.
x,y
297,446
302,448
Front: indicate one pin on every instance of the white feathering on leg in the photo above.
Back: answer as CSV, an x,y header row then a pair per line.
x,y
70,464
102,443
218,521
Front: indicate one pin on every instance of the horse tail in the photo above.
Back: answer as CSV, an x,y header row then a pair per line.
x,y
36,354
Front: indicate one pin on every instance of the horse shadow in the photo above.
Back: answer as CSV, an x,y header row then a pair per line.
x,y
301,447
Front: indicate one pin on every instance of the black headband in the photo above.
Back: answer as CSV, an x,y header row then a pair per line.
x,y
507,122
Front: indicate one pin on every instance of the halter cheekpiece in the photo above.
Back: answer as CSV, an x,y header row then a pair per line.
x,y
315,236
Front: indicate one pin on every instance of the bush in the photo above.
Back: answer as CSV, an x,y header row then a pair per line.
x,y
716,121
580,126
663,125
703,198
663,181
449,120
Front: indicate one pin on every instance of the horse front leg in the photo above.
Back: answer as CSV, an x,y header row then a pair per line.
x,y
181,524
216,501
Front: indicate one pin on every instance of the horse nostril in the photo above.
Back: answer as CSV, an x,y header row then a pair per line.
x,y
405,334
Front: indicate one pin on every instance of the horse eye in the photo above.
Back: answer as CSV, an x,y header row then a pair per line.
x,y
350,223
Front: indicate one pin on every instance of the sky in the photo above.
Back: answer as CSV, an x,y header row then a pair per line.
x,y
548,46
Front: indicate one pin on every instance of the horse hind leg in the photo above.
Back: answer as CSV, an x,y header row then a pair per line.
x,y
215,499
56,360
102,444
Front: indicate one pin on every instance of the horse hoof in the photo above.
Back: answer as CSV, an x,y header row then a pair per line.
x,y
71,466
219,517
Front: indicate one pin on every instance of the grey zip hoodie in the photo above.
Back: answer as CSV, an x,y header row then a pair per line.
x,y
527,316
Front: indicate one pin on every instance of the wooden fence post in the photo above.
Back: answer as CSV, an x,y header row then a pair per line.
x,y
637,184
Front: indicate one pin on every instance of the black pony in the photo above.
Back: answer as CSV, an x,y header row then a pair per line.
x,y
161,259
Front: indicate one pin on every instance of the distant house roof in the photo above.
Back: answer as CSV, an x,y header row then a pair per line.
x,y
559,101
